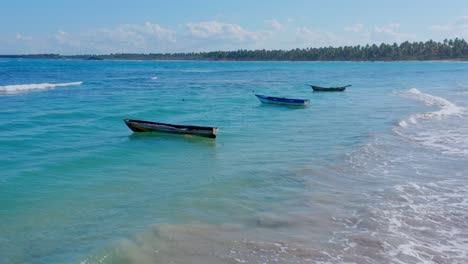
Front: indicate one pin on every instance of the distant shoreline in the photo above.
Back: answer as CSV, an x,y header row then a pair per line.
x,y
449,50
73,57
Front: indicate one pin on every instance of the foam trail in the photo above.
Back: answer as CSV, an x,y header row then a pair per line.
x,y
19,88
403,123
447,108
461,85
443,137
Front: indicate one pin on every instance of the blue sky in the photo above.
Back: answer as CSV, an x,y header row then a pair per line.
x,y
102,26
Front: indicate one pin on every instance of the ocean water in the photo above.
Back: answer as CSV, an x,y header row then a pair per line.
x,y
376,174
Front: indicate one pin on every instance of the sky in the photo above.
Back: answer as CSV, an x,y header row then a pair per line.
x,y
153,26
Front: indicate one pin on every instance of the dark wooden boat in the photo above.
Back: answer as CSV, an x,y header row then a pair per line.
x,y
328,89
148,126
282,101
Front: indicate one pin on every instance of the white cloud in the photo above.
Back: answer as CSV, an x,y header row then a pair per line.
x,y
65,39
22,37
455,28
145,37
388,33
462,20
314,38
355,28
208,36
214,35
140,38
441,27
223,31
17,44
158,32
274,24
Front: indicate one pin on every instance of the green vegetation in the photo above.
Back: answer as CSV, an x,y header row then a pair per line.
x,y
456,49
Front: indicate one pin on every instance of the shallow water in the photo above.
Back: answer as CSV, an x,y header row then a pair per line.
x,y
376,174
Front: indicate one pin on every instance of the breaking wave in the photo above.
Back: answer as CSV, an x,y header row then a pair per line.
x,y
405,223
20,88
411,223
447,108
154,78
448,136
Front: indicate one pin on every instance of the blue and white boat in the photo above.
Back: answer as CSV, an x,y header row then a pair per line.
x,y
282,101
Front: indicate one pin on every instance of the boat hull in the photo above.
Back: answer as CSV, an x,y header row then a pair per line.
x,y
282,101
328,89
148,126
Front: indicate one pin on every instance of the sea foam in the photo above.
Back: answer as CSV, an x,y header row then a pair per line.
x,y
432,210
20,88
441,136
447,108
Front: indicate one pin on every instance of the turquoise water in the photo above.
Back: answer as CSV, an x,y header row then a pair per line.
x,y
377,174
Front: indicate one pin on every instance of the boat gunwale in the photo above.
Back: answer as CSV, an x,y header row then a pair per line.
x,y
284,99
331,89
191,127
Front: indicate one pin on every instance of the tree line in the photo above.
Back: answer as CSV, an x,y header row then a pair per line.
x,y
453,49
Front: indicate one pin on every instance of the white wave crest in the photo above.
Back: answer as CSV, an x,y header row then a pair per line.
x,y
442,136
447,108
403,123
433,210
19,88
154,78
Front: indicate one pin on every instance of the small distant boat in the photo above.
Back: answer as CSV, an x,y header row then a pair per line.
x,y
283,101
328,89
148,126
